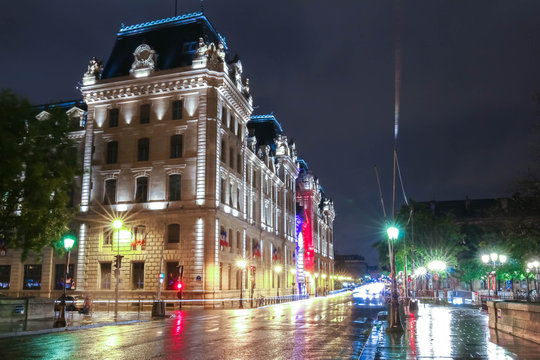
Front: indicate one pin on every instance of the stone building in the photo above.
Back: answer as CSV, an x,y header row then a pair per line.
x,y
170,147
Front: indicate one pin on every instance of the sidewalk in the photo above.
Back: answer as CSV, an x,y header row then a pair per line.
x,y
75,321
447,332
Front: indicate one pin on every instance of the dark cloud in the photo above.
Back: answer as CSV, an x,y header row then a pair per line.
x,y
469,73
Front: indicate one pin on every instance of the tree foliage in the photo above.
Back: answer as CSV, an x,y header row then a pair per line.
x,y
38,165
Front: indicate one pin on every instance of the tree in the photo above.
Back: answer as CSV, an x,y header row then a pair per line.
x,y
39,164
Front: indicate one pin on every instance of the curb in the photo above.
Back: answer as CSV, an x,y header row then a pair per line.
x,y
67,328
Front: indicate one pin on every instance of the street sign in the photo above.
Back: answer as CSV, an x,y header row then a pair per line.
x,y
436,277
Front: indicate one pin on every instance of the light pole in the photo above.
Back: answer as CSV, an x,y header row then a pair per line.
x,y
242,265
496,260
293,272
68,242
534,264
395,321
437,266
278,269
117,225
316,284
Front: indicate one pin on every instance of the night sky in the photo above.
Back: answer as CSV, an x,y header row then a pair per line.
x,y
326,69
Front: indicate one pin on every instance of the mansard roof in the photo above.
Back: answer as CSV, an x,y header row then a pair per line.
x,y
265,128
173,39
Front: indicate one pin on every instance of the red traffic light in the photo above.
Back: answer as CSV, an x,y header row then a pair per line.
x,y
179,286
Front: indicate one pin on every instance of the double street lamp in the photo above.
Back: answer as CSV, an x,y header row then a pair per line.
x,y
68,242
495,260
117,224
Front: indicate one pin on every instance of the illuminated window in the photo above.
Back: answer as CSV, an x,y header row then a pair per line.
x,y
141,193
175,186
177,110
110,192
144,114
112,152
173,233
105,270
113,117
32,277
5,274
137,275
176,146
59,276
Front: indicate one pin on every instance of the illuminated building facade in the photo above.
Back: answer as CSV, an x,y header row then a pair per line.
x,y
171,147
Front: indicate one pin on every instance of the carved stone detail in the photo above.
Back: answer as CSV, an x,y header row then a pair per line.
x,y
145,61
95,68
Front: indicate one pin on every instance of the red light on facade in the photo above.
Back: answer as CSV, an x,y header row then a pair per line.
x,y
179,286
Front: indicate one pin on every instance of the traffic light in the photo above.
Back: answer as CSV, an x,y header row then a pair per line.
x,y
118,261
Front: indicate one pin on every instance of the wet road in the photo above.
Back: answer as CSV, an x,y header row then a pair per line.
x,y
321,328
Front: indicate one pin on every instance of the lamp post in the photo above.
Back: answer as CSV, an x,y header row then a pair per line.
x,y
496,260
68,242
437,266
242,265
278,269
117,225
534,264
293,272
395,322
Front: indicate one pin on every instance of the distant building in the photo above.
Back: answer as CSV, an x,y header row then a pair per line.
x,y
168,144
353,265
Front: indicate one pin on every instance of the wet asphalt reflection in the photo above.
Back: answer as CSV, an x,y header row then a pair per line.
x,y
320,328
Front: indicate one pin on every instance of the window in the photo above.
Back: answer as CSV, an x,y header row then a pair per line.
x,y
141,193
231,158
32,277
107,237
5,274
223,191
172,275
112,152
239,163
105,269
224,115
175,186
143,149
137,275
177,110
176,146
144,116
223,151
110,192
59,276
173,233
113,117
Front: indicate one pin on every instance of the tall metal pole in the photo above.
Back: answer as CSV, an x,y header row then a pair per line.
x,y
117,273
241,287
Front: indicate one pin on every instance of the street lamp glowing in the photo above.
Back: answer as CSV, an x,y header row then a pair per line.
x,y
421,271
316,275
293,271
485,259
117,224
278,268
393,232
535,263
502,258
436,265
69,241
323,276
241,264
493,256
